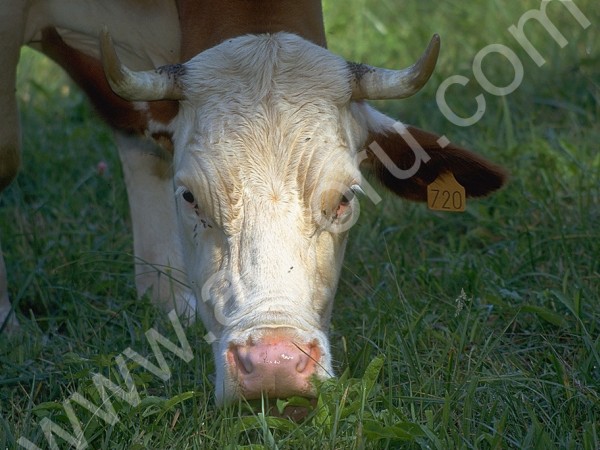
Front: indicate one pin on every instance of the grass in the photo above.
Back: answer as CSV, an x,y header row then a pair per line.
x,y
474,330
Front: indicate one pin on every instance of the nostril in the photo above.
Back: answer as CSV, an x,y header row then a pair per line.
x,y
309,357
302,363
242,359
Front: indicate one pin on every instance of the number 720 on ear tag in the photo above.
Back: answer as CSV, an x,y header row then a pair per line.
x,y
446,194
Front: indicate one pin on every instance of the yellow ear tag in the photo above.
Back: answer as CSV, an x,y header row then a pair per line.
x,y
446,194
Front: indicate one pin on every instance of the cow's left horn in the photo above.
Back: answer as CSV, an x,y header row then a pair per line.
x,y
373,83
148,85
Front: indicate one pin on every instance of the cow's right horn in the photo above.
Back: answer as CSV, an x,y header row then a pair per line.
x,y
148,85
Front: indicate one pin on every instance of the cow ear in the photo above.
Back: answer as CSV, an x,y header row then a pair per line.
x,y
393,155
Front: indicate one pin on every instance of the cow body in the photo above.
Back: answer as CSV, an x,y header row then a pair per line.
x,y
241,171
75,25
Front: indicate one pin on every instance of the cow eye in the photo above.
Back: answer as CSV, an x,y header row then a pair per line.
x,y
188,197
346,199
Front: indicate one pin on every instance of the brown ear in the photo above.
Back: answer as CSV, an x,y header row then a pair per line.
x,y
412,146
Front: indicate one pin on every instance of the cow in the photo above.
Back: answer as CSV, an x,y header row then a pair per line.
x,y
243,142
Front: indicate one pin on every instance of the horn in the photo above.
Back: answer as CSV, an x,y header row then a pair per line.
x,y
374,83
148,85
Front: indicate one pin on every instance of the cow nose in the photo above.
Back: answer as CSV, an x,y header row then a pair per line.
x,y
275,367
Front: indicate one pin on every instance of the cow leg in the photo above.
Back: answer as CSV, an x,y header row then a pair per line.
x,y
6,315
158,258
12,21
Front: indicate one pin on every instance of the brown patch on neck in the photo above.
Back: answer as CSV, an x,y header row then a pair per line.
x,y
205,24
165,140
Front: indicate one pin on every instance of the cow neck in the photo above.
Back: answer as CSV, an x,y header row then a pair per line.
x,y
205,24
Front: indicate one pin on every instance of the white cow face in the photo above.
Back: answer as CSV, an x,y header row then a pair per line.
x,y
265,175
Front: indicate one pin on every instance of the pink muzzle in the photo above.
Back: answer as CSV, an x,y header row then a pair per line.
x,y
276,366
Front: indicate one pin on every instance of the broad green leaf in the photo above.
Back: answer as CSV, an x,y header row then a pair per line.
x,y
46,408
405,431
170,403
372,372
293,401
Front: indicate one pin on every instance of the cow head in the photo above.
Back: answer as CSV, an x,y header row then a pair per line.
x,y
268,143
